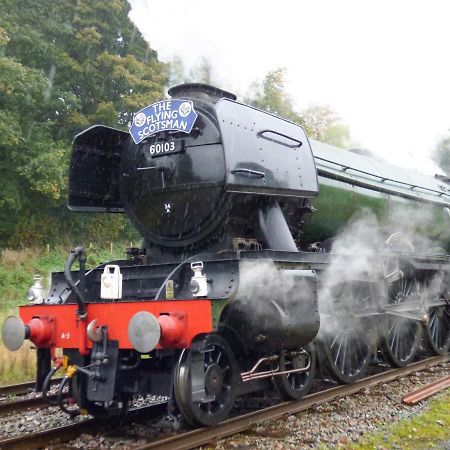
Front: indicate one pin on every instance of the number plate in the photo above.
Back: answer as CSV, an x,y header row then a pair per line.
x,y
164,148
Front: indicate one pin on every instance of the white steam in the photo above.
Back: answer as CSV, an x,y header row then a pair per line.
x,y
356,276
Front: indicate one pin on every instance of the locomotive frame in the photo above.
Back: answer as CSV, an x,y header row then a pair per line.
x,y
220,301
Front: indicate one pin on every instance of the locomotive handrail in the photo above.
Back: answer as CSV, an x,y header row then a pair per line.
x,y
242,170
382,179
181,264
265,135
147,168
80,254
387,189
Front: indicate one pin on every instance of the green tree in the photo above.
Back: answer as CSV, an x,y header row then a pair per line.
x,y
324,124
177,72
441,154
319,122
63,66
21,139
271,96
201,72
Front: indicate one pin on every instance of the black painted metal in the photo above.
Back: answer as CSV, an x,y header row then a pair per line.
x,y
256,142
94,170
42,367
104,364
143,282
272,309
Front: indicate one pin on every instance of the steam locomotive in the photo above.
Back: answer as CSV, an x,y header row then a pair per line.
x,y
229,292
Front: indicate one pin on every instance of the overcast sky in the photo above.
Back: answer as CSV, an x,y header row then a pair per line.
x,y
383,66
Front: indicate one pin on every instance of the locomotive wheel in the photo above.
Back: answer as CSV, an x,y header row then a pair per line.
x,y
298,384
347,354
436,331
401,336
347,346
220,372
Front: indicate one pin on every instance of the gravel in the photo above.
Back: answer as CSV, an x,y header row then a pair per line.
x,y
42,419
34,420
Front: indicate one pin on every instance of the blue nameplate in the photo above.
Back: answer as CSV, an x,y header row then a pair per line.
x,y
167,115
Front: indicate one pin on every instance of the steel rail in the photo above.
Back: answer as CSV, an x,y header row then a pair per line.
x,y
426,391
22,404
65,433
196,438
22,388
42,439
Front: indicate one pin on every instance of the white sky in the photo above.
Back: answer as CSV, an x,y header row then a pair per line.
x,y
383,66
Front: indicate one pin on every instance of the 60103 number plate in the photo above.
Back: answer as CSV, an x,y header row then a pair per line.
x,y
163,148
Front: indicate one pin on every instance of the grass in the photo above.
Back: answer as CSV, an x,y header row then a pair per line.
x,y
424,431
17,268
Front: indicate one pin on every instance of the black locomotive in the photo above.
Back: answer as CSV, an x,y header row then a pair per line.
x,y
223,297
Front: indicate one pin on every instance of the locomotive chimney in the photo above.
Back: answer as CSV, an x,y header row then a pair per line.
x,y
200,91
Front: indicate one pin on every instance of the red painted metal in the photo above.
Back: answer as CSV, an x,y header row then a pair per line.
x,y
424,392
194,317
172,328
42,331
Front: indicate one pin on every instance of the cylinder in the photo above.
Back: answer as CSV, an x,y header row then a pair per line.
x,y
274,309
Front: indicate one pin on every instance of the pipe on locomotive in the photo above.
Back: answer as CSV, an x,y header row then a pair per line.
x,y
80,254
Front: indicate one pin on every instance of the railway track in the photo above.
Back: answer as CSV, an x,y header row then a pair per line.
x,y
22,404
15,405
198,437
59,435
22,388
